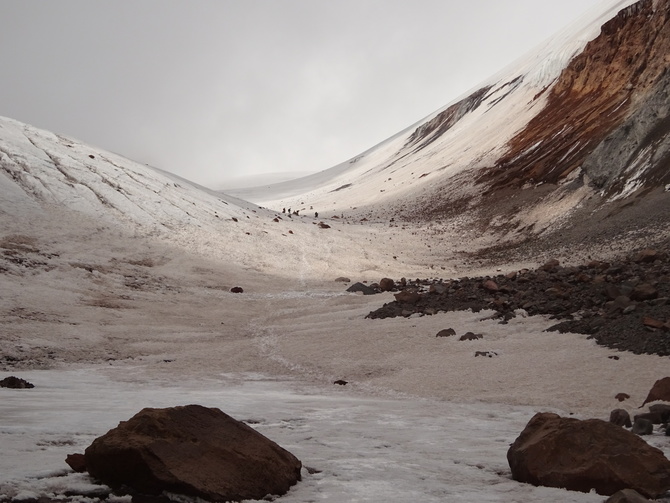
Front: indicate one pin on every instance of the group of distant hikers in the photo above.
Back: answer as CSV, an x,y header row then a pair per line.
x,y
297,212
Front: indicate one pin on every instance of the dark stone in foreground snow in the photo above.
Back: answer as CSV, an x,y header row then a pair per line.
x,y
15,383
583,455
194,451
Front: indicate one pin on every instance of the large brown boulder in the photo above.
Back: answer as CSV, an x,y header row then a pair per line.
x,y
659,391
192,450
583,455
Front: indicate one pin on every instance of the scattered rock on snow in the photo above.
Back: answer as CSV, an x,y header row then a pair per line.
x,y
447,332
592,299
15,383
361,288
622,396
194,451
470,336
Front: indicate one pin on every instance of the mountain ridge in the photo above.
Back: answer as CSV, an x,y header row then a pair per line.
x,y
536,157
534,152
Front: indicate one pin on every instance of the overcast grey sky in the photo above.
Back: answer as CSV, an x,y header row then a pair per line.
x,y
214,89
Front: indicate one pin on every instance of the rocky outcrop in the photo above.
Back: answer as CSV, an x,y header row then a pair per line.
x,y
597,298
639,146
584,455
615,75
194,451
430,131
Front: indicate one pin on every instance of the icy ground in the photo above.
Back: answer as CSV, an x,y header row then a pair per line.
x,y
365,448
115,295
420,420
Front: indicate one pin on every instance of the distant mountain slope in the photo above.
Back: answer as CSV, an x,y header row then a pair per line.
x,y
575,133
52,186
42,167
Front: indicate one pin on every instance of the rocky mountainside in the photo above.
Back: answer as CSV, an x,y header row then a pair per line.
x,y
567,149
570,145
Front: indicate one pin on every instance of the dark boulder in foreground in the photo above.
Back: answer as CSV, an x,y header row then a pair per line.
x,y
15,383
194,451
583,455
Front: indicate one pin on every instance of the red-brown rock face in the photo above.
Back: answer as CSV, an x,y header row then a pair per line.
x,y
594,94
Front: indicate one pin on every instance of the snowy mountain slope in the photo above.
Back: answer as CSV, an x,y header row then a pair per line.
x,y
48,181
545,147
530,150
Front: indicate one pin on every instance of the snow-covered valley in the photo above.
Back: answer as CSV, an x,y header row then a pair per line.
x,y
116,278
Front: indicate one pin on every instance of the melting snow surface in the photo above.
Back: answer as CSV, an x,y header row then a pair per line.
x,y
364,448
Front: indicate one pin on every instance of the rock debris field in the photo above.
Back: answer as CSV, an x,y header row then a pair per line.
x,y
624,304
